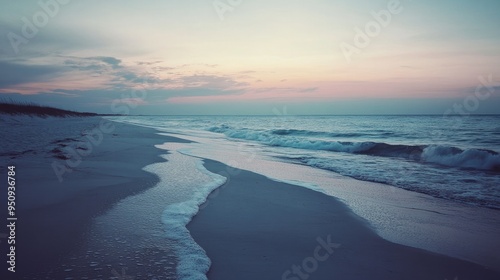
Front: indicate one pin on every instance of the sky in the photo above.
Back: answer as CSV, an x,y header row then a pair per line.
x,y
204,57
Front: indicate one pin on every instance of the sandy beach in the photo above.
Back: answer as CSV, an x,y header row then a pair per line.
x,y
54,216
256,228
235,140
107,218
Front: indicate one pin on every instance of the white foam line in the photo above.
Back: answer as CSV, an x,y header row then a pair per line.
x,y
193,261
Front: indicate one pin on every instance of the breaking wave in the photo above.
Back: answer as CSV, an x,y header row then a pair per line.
x,y
437,154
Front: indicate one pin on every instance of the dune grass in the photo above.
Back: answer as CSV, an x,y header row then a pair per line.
x,y
32,109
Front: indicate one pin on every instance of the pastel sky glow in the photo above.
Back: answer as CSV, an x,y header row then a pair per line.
x,y
252,56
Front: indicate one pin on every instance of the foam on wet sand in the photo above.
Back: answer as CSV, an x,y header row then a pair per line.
x,y
257,228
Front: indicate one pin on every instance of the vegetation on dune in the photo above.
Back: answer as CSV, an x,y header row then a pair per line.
x,y
32,109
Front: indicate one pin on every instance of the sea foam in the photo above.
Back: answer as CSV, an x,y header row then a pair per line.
x,y
481,159
469,158
193,262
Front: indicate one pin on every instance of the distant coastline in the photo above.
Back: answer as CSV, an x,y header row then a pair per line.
x,y
11,107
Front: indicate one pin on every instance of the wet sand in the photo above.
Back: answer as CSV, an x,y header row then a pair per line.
x,y
256,228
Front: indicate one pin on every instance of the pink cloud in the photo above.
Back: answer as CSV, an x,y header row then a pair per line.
x,y
332,91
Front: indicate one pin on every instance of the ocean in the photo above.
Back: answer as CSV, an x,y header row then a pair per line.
x,y
429,182
455,158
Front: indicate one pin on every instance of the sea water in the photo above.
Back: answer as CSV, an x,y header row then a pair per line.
x,y
430,182
455,158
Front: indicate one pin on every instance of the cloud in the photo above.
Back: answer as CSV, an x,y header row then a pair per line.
x,y
284,90
247,72
148,63
133,101
32,75
311,89
73,75
98,63
49,40
114,62
100,100
210,81
16,73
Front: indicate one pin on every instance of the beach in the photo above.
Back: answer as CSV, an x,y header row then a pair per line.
x,y
137,205
256,228
55,216
230,139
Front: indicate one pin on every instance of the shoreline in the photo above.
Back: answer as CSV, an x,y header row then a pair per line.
x,y
55,217
256,228
400,216
251,227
